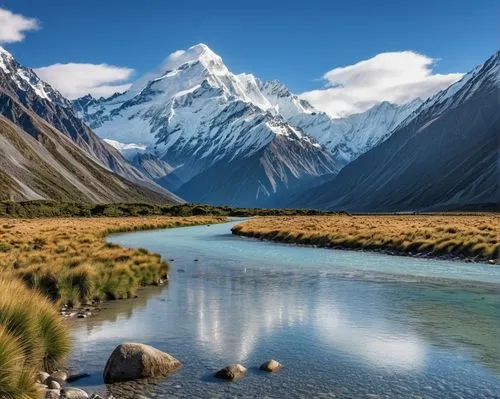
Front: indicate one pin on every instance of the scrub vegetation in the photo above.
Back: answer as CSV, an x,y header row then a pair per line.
x,y
456,235
46,208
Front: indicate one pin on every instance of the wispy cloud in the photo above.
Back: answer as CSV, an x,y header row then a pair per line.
x,y
397,77
74,80
14,26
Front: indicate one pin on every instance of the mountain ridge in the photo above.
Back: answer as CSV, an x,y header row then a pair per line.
x,y
444,157
37,110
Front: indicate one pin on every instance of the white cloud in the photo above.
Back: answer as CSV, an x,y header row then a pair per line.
x,y
74,80
397,77
13,26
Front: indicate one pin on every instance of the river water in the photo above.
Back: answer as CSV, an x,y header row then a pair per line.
x,y
345,324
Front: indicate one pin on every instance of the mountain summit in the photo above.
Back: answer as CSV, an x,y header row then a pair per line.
x,y
224,140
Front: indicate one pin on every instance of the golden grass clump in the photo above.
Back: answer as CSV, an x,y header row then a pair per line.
x,y
33,337
461,235
69,260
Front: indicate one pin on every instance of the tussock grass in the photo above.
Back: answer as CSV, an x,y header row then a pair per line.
x,y
461,235
33,337
69,260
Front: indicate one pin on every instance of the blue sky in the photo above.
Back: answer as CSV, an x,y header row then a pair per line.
x,y
296,42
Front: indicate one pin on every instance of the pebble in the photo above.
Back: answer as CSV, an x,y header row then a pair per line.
x,y
74,393
42,376
52,394
54,385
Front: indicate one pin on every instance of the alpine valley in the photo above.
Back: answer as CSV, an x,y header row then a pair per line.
x,y
194,128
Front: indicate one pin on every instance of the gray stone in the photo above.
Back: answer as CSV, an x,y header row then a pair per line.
x,y
131,361
52,394
271,365
52,379
42,376
231,372
74,393
61,375
54,385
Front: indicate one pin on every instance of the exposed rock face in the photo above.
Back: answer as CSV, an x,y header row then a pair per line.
x,y
231,372
271,365
131,361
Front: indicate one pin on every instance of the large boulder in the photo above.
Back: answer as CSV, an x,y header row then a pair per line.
x,y
131,361
231,372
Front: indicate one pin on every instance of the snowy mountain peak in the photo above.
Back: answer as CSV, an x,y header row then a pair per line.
x,y
5,59
199,53
18,77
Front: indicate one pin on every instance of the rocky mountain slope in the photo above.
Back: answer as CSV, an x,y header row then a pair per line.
x,y
41,136
444,156
346,138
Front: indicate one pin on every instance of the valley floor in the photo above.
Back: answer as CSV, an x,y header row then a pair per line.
x,y
470,236
69,260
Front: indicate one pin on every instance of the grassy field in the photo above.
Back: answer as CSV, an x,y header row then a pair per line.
x,y
69,260
461,235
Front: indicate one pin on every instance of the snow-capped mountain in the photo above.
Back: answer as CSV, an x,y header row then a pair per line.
x,y
41,113
443,156
206,122
22,79
346,138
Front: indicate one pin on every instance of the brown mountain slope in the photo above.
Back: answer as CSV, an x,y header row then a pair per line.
x,y
40,162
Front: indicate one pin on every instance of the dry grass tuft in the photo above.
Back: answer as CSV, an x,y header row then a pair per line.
x,y
461,235
33,337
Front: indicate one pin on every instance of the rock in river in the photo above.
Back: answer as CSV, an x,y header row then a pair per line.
x,y
231,372
271,365
131,361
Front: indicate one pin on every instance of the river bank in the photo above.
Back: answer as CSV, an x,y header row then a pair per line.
x,y
49,263
467,237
